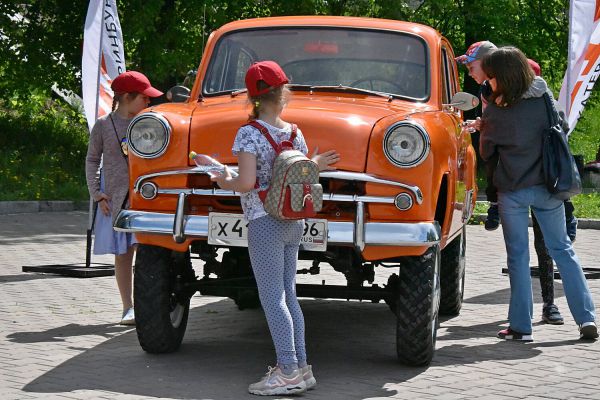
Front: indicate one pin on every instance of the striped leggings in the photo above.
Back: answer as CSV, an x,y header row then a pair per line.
x,y
273,247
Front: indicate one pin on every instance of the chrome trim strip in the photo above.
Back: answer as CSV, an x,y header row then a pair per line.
x,y
362,177
179,219
187,171
339,233
342,175
326,196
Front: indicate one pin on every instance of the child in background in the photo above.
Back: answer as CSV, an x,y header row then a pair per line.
x,y
273,244
108,145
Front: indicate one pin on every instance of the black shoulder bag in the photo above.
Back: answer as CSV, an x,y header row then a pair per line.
x,y
560,171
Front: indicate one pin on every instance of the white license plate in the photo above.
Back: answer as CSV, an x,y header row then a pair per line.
x,y
232,230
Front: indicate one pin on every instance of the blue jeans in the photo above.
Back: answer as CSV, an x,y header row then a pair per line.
x,y
550,213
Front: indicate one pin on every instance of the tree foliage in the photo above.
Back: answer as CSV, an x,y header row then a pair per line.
x,y
41,41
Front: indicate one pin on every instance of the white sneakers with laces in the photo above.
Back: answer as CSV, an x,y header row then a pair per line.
x,y
275,382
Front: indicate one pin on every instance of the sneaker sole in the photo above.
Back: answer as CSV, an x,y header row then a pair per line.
x,y
295,389
589,332
130,322
310,383
524,338
492,228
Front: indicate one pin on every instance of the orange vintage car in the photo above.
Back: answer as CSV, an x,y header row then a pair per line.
x,y
385,95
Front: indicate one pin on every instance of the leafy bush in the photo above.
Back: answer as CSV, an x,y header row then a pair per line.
x,y
42,150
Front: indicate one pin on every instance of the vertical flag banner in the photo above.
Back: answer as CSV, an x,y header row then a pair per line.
x,y
583,69
103,58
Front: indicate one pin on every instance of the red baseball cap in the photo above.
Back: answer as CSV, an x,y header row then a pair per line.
x,y
535,67
268,71
133,81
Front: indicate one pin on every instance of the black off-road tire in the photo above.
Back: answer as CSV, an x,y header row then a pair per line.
x,y
417,308
161,313
452,275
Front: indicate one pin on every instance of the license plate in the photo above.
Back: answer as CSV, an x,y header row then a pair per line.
x,y
232,230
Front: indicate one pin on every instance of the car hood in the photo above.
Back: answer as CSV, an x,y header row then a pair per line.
x,y
326,121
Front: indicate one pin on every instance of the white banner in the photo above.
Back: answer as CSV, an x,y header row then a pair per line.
x,y
583,69
103,58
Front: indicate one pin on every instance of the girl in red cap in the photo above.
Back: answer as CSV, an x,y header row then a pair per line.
x,y
273,244
108,146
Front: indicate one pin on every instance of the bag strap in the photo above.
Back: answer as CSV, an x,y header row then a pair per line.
x,y
119,143
550,110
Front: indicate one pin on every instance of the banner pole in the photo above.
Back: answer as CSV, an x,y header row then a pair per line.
x,y
569,64
93,206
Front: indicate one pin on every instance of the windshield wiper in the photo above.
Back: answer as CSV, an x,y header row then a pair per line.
x,y
342,88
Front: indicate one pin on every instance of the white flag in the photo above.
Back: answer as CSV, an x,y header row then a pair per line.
x,y
103,58
583,69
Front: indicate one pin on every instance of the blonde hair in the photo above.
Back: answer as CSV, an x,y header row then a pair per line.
x,y
273,96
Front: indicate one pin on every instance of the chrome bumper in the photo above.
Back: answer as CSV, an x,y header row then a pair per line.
x,y
357,233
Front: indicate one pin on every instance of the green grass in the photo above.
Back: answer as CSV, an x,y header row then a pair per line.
x,y
585,139
42,151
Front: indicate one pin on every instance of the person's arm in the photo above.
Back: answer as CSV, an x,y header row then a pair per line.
x,y
487,145
246,178
92,164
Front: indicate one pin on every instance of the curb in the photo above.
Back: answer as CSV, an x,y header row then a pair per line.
x,y
20,207
582,223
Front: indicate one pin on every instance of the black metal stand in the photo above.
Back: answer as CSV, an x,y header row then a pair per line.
x,y
590,273
78,270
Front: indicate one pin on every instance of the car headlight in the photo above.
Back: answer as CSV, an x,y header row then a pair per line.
x,y
406,144
148,135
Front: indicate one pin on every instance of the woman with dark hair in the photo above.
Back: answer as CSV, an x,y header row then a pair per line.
x,y
512,128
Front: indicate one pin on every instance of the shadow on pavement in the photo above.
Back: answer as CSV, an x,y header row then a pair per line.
x,y
24,277
502,296
350,344
70,330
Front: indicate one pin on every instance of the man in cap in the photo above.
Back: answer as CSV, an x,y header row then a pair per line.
x,y
472,61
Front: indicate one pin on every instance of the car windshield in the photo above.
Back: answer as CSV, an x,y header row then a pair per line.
x,y
382,61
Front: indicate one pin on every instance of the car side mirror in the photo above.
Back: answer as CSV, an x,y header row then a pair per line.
x,y
463,101
178,94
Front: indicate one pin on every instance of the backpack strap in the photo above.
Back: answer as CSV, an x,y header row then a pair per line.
x,y
294,132
266,134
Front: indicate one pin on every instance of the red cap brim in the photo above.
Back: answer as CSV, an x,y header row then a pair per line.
x,y
152,92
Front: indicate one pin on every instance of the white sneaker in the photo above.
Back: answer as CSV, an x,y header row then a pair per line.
x,y
308,377
588,330
128,317
275,382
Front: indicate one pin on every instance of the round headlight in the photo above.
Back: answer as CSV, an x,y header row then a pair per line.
x,y
148,135
406,144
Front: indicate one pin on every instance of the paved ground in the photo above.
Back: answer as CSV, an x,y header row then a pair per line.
x,y
58,337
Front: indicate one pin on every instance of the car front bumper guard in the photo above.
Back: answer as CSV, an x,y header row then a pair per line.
x,y
357,233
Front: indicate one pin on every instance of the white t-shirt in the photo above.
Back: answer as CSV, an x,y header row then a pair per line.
x,y
251,140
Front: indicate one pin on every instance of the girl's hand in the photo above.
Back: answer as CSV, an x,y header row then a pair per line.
x,y
324,160
221,178
103,204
